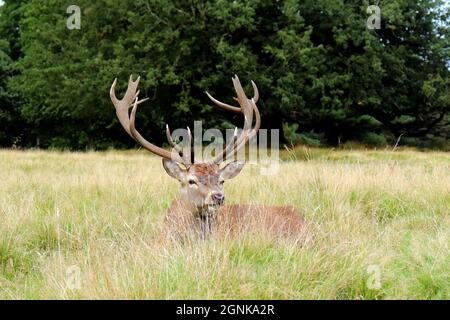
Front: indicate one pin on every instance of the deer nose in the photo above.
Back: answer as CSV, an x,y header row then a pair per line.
x,y
218,198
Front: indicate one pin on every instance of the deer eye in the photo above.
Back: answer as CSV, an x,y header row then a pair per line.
x,y
192,182
221,182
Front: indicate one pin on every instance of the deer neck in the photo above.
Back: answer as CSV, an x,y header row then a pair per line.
x,y
184,216
186,211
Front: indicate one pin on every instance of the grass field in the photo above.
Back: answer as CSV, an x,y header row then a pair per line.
x,y
381,221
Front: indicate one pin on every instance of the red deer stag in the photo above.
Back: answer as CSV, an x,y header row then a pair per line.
x,y
200,206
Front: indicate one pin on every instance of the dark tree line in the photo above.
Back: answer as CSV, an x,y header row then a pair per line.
x,y
324,77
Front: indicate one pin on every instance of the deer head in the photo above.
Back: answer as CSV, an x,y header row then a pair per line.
x,y
201,183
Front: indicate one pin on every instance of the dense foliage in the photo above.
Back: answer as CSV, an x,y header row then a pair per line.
x,y
324,77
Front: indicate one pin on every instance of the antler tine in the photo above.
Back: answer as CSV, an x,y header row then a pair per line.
x,y
240,93
112,92
189,135
231,146
191,146
250,133
257,115
255,92
243,138
222,104
238,88
247,108
147,145
172,142
244,102
185,155
122,107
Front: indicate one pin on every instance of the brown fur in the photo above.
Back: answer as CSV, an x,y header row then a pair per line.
x,y
204,169
185,218
198,207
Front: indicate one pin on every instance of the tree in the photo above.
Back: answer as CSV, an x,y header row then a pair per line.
x,y
12,132
415,53
317,65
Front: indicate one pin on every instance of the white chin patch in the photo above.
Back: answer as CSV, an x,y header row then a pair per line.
x,y
212,207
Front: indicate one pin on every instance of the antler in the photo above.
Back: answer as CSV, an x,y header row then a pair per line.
x,y
186,156
128,122
247,107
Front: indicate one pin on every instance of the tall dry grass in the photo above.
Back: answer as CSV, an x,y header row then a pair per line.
x,y
99,214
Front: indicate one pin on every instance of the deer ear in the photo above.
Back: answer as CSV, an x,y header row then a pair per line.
x,y
173,169
231,170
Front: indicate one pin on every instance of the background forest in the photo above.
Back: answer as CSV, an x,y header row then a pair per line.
x,y
324,77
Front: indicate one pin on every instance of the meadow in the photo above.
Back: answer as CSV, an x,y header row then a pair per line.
x,y
85,225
